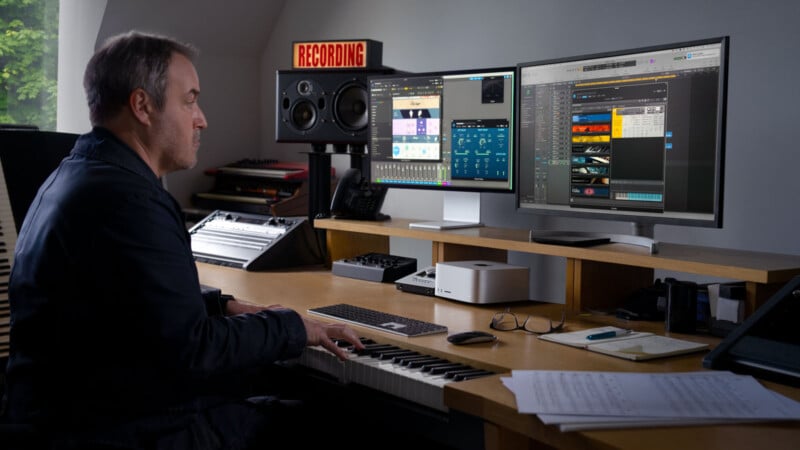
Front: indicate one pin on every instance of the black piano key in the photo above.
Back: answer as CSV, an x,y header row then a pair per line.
x,y
391,355
452,373
378,353
405,360
447,369
421,362
398,358
469,376
371,348
428,367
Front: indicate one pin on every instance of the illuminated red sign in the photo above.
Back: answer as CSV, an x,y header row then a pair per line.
x,y
336,54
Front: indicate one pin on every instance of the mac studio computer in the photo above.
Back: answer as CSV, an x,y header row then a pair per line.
x,y
633,136
451,131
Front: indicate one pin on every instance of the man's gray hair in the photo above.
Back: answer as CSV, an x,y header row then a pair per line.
x,y
124,63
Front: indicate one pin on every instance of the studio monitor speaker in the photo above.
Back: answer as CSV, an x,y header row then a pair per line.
x,y
322,107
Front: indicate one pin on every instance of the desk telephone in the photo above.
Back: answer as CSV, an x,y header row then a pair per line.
x,y
356,198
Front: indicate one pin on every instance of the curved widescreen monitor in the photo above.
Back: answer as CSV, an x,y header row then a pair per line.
x,y
634,135
451,131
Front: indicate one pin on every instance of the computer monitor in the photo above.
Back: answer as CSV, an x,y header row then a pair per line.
x,y
451,131
635,135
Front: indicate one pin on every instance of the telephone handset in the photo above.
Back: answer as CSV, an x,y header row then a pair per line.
x,y
356,198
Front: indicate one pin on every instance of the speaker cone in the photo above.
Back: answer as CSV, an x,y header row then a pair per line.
x,y
303,115
351,107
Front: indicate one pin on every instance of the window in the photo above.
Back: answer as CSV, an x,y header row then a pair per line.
x,y
29,62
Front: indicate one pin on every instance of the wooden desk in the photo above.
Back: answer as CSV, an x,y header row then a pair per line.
x,y
596,277
486,398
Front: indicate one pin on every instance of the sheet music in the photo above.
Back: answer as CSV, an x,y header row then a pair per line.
x,y
703,395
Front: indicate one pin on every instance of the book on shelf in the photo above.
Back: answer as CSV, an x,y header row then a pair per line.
x,y
633,345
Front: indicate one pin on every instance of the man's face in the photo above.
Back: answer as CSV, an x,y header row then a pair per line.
x,y
177,130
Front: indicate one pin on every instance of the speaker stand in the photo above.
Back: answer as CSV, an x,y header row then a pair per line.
x,y
359,160
319,182
319,190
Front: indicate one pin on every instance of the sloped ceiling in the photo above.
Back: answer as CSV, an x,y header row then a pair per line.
x,y
240,27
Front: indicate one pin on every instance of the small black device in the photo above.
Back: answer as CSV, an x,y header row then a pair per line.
x,y
422,282
681,310
379,320
375,267
355,198
471,337
571,240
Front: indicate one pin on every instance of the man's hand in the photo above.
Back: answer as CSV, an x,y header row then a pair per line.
x,y
320,333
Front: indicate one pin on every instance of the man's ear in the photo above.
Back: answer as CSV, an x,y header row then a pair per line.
x,y
141,105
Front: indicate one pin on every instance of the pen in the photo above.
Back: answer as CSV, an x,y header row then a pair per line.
x,y
607,334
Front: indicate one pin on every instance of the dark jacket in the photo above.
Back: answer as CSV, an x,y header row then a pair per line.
x,y
107,319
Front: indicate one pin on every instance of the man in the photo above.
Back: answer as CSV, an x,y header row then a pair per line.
x,y
112,344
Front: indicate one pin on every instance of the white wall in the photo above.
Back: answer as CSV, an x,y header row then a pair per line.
x,y
760,210
243,43
230,36
78,24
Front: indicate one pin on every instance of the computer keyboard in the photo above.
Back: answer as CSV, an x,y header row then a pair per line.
x,y
378,320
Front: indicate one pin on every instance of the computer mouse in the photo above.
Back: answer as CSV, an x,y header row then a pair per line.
x,y
471,337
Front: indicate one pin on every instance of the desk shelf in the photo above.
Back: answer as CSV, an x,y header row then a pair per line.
x,y
596,277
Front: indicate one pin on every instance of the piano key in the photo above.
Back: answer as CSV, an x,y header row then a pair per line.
x,y
469,376
398,354
450,374
422,362
370,348
428,367
404,361
447,369
393,376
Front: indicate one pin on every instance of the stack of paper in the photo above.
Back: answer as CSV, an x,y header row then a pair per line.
x,y
577,400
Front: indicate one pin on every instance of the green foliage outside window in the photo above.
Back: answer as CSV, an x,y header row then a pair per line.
x,y
28,62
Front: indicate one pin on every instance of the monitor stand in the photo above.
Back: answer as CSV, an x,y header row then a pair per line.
x,y
460,210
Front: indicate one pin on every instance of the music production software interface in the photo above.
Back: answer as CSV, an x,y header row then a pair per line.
x,y
617,133
444,130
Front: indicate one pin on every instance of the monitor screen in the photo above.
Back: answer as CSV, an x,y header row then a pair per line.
x,y
443,130
633,135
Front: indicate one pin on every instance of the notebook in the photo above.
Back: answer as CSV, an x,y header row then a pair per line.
x,y
635,346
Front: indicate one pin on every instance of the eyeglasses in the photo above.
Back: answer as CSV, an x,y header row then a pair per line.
x,y
508,321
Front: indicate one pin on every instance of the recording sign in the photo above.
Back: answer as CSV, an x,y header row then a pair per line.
x,y
363,54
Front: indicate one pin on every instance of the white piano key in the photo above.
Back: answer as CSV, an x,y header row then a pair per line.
x,y
384,375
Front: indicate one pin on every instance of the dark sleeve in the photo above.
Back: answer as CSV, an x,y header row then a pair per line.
x,y
155,278
215,300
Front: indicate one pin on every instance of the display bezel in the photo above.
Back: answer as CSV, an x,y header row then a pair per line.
x,y
711,219
507,186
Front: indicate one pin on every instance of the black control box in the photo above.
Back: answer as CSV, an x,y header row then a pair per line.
x,y
375,267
